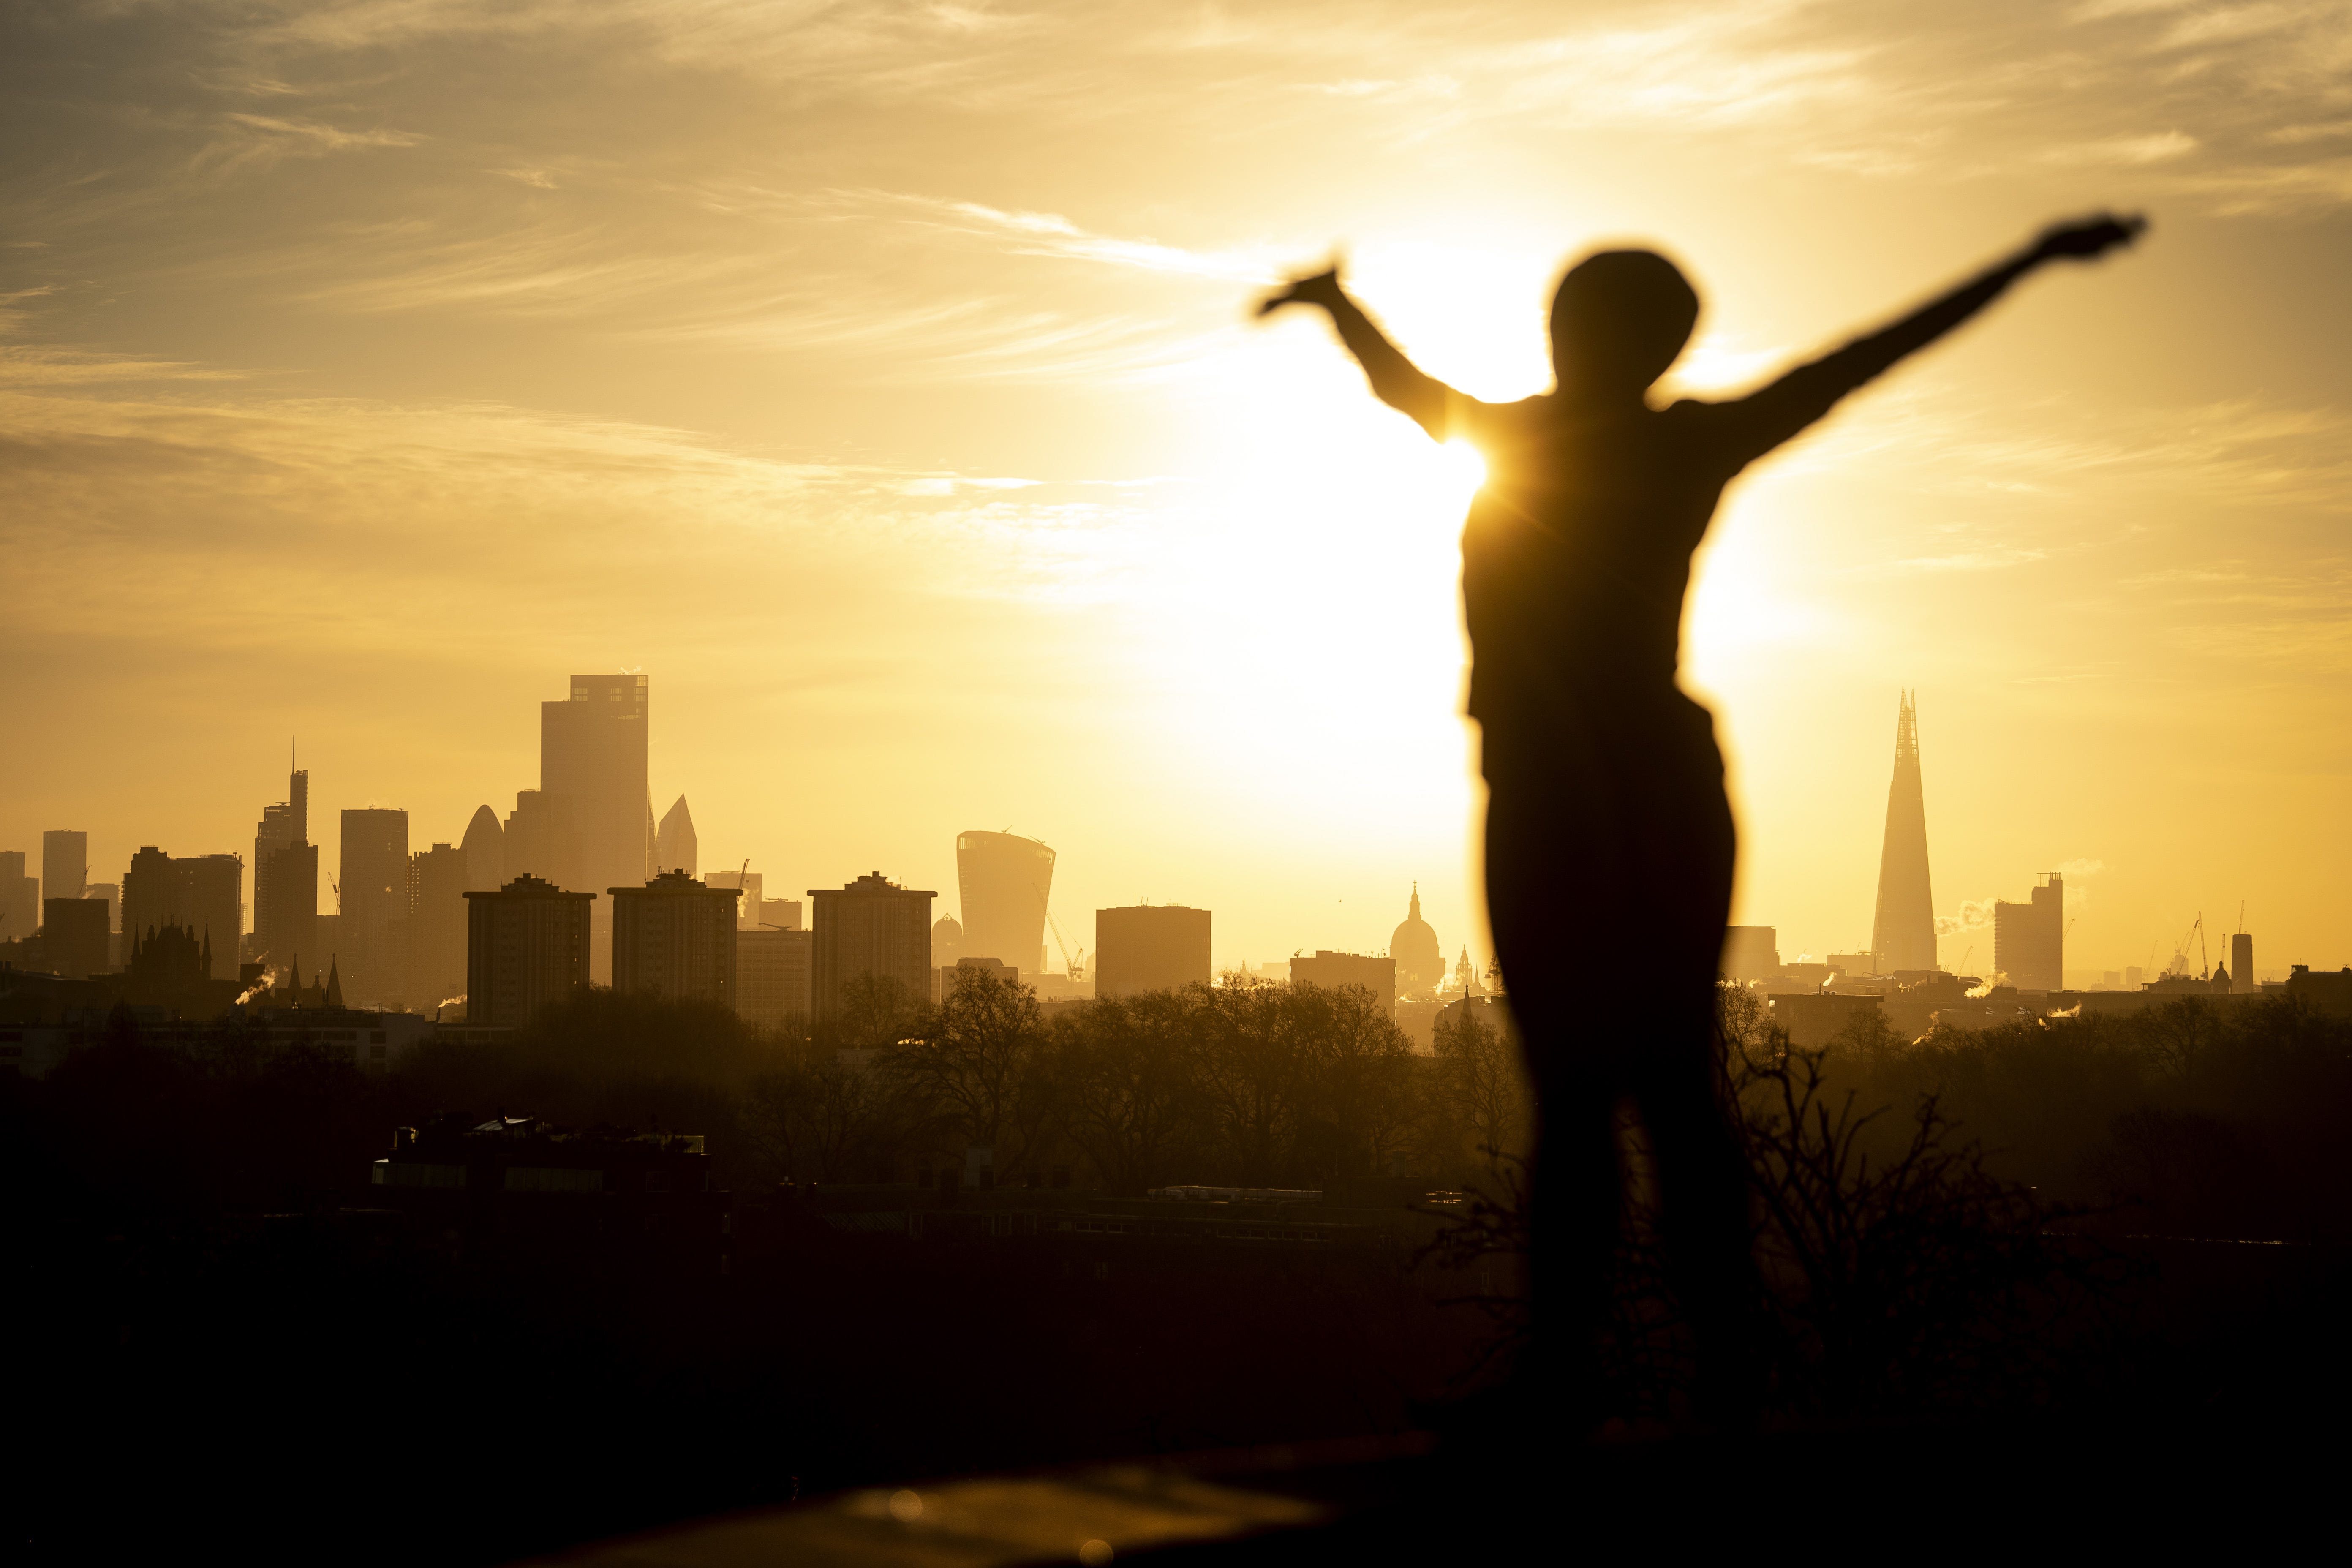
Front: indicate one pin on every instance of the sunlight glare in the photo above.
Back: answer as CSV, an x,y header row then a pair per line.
x,y
1468,465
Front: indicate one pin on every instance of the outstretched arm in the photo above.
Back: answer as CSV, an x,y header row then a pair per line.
x,y
1396,380
1782,410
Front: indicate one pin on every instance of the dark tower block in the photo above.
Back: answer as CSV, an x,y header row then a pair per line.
x,y
592,765
286,881
1904,934
526,947
869,927
2029,939
201,894
373,925
74,932
437,925
1152,947
64,864
675,937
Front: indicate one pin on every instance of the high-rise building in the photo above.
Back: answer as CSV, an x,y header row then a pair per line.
x,y
20,898
285,880
204,894
592,754
1005,880
868,926
1332,971
675,937
2029,939
2241,962
1420,961
437,925
772,980
65,863
1903,936
74,936
1148,947
484,848
540,839
526,948
675,846
375,883
110,895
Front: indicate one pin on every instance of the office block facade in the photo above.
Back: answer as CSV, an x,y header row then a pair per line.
x,y
74,938
65,863
591,757
2029,939
773,971
868,926
675,937
437,925
200,893
1334,971
1005,881
20,898
285,880
526,948
374,906
1148,947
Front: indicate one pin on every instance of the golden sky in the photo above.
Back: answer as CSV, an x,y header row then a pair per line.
x,y
877,377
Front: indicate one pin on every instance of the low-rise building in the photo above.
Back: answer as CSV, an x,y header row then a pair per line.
x,y
1332,971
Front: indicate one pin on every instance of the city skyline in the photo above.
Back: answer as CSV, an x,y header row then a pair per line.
x,y
1969,928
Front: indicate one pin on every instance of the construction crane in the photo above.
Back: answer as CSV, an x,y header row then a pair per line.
x,y
1076,967
2180,964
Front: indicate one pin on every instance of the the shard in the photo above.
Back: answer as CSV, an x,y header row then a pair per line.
x,y
1904,934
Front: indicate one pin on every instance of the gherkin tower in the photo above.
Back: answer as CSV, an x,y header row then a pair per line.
x,y
1904,934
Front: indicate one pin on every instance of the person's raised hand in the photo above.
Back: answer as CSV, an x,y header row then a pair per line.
x,y
1319,289
2087,238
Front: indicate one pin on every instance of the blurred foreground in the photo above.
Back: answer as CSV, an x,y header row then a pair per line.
x,y
235,1340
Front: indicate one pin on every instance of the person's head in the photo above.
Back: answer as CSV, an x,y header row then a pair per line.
x,y
1620,318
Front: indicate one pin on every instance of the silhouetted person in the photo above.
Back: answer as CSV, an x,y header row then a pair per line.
x,y
1609,838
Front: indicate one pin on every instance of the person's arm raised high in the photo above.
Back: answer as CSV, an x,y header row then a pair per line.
x,y
1774,414
1396,380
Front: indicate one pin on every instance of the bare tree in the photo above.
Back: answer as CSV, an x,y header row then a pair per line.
x,y
1483,1084
1127,1072
982,1067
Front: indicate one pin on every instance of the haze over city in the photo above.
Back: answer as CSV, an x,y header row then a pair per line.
x,y
878,380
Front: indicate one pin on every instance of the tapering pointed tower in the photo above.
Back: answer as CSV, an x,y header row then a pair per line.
x,y
1904,934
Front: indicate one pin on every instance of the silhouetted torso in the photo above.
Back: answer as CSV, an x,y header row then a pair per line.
x,y
1577,551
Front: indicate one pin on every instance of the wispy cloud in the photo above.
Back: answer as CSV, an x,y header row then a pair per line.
x,y
325,138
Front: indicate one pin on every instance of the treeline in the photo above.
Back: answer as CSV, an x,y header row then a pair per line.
x,y
1239,1085
2221,1119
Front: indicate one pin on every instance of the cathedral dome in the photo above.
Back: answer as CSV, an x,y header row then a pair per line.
x,y
946,941
1420,961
